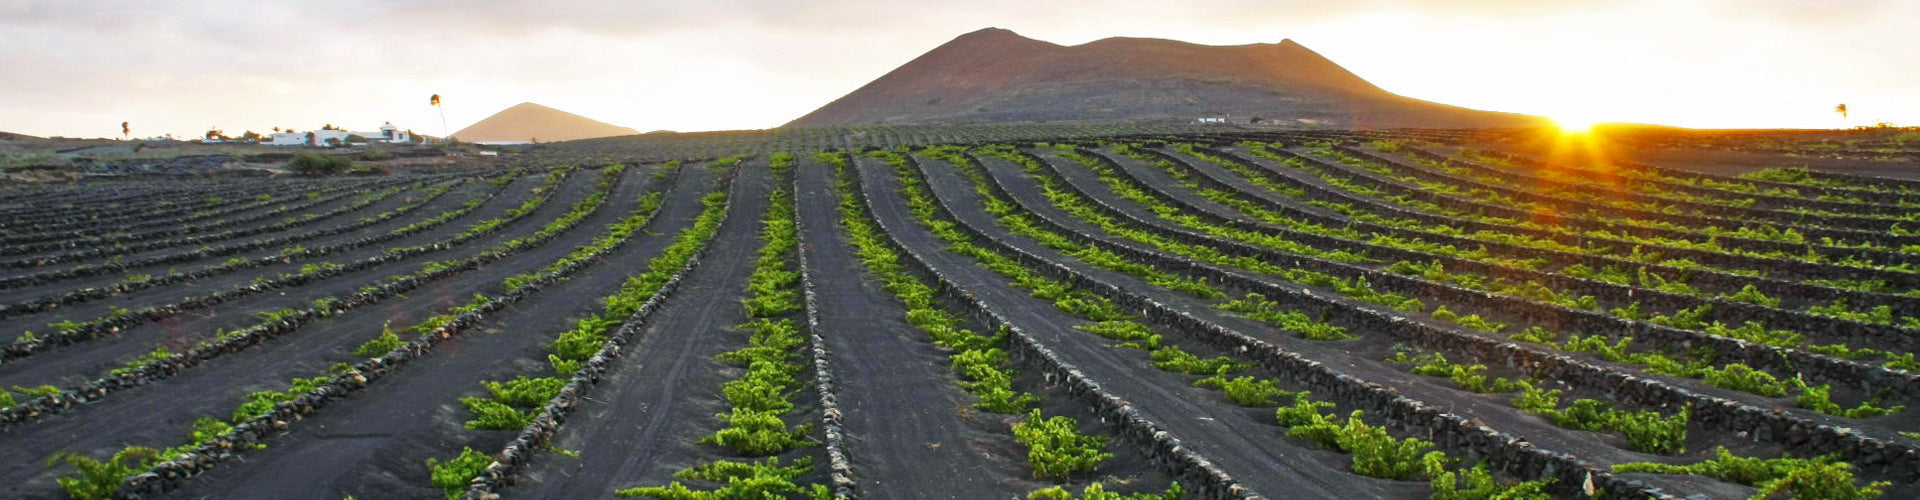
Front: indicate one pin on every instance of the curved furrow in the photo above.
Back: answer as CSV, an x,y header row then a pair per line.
x,y
185,313
80,250
1729,306
215,292
193,339
217,198
1697,182
638,406
1360,359
1811,361
115,257
1305,210
439,304
933,300
1737,413
1692,216
1768,357
457,201
905,428
152,223
1871,259
1622,184
1241,448
1776,261
371,439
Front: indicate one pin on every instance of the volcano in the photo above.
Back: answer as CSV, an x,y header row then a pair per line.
x,y
997,76
529,122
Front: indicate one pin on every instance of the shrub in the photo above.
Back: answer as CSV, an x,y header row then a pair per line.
x,y
453,475
1376,454
379,346
1740,377
526,392
1481,485
313,163
1055,447
101,480
1245,391
742,479
1820,477
1305,421
490,415
757,433
1098,491
1173,359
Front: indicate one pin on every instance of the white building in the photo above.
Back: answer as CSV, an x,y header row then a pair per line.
x,y
387,133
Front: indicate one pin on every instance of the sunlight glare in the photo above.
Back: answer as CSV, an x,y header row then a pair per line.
x,y
1574,124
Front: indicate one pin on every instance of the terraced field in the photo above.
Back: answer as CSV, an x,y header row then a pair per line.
x,y
967,313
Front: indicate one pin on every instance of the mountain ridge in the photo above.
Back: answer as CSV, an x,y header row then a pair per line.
x,y
996,75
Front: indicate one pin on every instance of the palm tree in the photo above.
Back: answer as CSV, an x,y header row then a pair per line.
x,y
435,102
1842,109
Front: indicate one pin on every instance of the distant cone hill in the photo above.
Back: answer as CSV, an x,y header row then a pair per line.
x,y
527,122
995,75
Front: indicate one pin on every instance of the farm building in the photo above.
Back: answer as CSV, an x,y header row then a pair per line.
x,y
387,133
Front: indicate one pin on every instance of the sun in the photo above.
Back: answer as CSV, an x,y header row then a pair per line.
x,y
1574,124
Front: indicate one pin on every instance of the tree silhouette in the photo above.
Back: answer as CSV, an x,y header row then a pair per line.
x,y
125,130
435,102
1842,109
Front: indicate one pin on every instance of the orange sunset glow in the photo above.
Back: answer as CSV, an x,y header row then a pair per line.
x,y
182,67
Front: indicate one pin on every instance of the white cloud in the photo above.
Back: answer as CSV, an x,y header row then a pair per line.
x,y
178,67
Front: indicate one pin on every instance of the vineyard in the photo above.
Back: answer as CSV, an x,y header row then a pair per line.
x,y
1048,312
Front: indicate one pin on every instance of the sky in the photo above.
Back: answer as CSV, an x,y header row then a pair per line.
x,y
78,69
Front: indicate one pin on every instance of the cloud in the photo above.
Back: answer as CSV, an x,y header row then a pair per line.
x,y
181,66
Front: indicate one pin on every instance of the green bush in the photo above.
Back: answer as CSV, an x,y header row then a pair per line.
x,y
1647,430
1173,359
1481,485
101,480
1822,477
379,346
490,415
314,163
1245,391
1098,491
757,433
741,479
526,392
1376,454
452,476
1055,448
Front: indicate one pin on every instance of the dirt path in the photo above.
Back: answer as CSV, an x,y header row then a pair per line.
x,y
644,419
1254,453
910,431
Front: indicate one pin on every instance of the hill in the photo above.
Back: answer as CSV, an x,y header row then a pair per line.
x,y
996,75
527,121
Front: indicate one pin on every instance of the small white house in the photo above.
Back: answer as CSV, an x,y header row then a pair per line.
x,y
387,133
